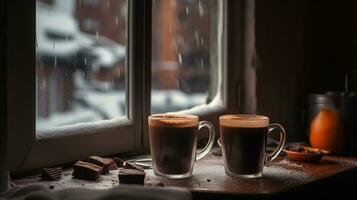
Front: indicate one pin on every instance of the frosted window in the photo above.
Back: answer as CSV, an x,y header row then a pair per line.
x,y
80,61
184,54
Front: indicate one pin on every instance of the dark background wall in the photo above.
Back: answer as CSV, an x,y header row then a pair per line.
x,y
3,137
305,47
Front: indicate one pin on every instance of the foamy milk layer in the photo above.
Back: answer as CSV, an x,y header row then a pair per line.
x,y
173,120
244,121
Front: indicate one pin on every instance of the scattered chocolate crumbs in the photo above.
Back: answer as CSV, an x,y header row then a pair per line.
x,y
161,184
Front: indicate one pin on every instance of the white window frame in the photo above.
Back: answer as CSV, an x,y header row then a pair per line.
x,y
26,152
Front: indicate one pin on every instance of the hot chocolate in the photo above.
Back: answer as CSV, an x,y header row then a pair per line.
x,y
244,148
173,142
243,139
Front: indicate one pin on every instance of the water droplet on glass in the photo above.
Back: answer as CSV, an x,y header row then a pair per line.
x,y
201,11
187,11
108,4
202,63
116,20
174,43
97,34
83,75
43,83
85,61
180,58
80,2
197,38
180,40
55,62
75,61
171,28
54,45
202,41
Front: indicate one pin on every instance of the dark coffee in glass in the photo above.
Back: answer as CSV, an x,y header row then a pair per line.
x,y
173,139
172,148
243,139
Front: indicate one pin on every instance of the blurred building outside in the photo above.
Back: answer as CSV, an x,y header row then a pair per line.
x,y
81,58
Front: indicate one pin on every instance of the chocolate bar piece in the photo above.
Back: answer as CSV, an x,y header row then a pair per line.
x,y
113,166
128,165
103,162
131,176
87,171
51,174
118,161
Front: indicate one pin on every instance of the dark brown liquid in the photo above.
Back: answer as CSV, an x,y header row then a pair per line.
x,y
172,148
244,149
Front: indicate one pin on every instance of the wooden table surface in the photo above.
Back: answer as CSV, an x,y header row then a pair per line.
x,y
280,175
209,178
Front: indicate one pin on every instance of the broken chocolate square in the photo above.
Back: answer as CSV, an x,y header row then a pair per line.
x,y
87,171
128,165
131,176
103,162
51,174
113,166
118,161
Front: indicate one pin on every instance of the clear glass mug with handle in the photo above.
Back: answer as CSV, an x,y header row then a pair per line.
x,y
244,142
173,143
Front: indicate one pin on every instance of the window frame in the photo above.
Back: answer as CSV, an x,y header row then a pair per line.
x,y
26,152
32,152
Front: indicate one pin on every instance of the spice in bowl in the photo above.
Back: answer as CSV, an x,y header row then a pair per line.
x,y
304,153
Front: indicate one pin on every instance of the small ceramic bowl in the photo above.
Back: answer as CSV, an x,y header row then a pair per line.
x,y
304,153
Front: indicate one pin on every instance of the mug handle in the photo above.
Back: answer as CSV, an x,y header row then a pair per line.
x,y
212,134
275,153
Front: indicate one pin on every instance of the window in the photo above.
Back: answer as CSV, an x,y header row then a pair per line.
x,y
185,48
80,65
91,72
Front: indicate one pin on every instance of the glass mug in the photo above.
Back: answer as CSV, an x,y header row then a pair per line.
x,y
243,140
173,142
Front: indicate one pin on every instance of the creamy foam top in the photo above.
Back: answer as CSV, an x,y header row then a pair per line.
x,y
173,120
245,121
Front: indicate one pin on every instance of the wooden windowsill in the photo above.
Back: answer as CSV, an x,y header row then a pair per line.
x,y
209,181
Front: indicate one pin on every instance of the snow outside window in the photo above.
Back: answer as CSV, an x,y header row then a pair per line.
x,y
81,58
80,61
92,90
185,54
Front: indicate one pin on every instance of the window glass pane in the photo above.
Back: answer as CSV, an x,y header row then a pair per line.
x,y
80,61
184,54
